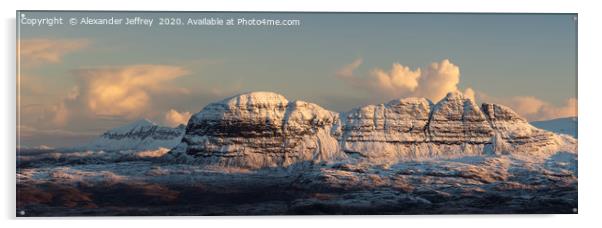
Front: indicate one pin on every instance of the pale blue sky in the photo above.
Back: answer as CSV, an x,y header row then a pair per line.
x,y
501,55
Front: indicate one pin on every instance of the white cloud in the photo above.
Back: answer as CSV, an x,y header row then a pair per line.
x,y
533,108
347,70
438,79
470,93
434,82
400,79
174,118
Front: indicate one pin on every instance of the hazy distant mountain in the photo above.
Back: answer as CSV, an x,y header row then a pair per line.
x,y
562,125
139,135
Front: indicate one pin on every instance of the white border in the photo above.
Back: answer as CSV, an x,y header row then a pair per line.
x,y
589,112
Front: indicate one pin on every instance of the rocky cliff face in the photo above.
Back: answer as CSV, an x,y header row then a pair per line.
x,y
263,129
260,129
514,135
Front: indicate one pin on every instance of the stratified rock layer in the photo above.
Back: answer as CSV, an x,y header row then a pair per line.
x,y
513,134
413,128
260,129
263,129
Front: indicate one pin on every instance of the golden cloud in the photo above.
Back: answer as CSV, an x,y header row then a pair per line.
x,y
440,78
434,82
535,109
174,118
124,91
39,51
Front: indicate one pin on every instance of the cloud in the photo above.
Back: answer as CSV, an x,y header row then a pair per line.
x,y
434,82
40,51
109,95
30,85
400,79
347,70
438,79
124,91
60,114
174,118
533,108
470,93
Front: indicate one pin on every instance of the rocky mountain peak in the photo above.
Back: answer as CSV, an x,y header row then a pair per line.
x,y
141,134
255,99
496,112
264,129
260,129
133,126
455,106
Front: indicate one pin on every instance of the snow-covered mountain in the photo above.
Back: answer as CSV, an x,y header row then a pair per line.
x,y
139,135
260,129
562,125
264,129
406,156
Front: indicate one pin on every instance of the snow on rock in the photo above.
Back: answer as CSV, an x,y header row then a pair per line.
x,y
138,136
387,131
413,128
517,136
260,129
457,120
264,129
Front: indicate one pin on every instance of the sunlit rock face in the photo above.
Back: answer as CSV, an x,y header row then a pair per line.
x,y
513,134
264,129
457,120
260,129
414,128
387,132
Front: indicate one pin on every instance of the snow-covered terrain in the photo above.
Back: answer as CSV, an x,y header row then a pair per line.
x,y
561,126
472,184
259,153
263,129
260,129
139,135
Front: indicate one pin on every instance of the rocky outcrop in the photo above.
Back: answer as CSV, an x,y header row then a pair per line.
x,y
413,129
260,129
388,131
263,129
513,134
457,120
139,135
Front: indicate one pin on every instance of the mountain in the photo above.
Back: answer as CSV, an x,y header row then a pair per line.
x,y
406,156
139,135
260,129
264,129
562,125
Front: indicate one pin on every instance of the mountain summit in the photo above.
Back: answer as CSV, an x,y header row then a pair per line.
x,y
139,135
264,129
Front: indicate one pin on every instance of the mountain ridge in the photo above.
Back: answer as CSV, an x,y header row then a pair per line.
x,y
264,129
138,135
566,125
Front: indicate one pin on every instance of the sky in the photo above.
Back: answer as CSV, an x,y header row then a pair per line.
x,y
77,81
